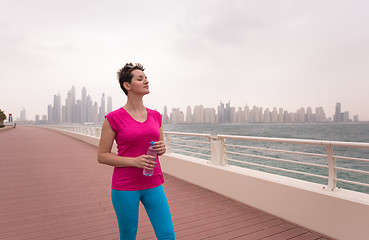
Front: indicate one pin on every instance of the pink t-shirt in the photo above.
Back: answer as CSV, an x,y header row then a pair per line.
x,y
133,139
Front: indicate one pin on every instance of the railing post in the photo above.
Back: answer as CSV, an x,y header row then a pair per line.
x,y
167,145
217,151
332,173
97,132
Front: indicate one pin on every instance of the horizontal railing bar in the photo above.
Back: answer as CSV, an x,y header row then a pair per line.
x,y
193,141
352,182
352,158
277,150
298,141
201,154
278,159
352,170
266,139
349,144
188,146
280,169
188,134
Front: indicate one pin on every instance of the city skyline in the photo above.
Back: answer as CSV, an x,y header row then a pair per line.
x,y
228,114
225,113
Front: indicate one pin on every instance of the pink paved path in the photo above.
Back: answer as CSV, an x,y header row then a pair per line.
x,y
52,187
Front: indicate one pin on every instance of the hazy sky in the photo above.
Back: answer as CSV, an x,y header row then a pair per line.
x,y
284,54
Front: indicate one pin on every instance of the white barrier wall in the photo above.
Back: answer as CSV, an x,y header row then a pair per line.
x,y
341,214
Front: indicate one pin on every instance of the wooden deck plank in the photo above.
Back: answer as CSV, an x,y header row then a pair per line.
x,y
52,187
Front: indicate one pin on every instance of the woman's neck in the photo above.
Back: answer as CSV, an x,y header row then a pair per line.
x,y
134,104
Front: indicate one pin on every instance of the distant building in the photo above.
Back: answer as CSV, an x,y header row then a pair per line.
x,y
176,116
165,116
320,114
225,113
267,116
23,116
84,106
189,116
274,115
356,118
198,114
345,117
102,109
210,115
337,114
110,104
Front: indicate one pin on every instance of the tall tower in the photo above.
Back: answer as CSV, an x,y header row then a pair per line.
x,y
221,113
56,110
165,116
70,106
23,115
189,115
102,109
229,116
84,105
110,104
74,106
337,115
90,108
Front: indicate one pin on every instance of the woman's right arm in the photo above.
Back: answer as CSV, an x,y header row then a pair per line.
x,y
105,156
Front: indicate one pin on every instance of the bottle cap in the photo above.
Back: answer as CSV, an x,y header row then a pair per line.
x,y
152,143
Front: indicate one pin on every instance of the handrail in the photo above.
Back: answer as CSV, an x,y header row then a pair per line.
x,y
299,141
188,134
330,156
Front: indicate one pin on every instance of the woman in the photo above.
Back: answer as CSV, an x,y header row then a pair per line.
x,y
133,127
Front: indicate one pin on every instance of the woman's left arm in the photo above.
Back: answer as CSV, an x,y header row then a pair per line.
x,y
160,145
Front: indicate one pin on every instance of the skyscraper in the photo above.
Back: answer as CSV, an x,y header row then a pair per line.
x,y
199,114
102,109
189,116
50,113
110,104
274,115
176,116
165,116
56,110
84,105
23,116
90,108
221,113
320,114
225,113
70,109
337,115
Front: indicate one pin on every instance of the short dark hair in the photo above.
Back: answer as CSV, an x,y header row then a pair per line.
x,y
125,74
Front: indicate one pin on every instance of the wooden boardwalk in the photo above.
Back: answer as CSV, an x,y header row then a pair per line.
x,y
52,187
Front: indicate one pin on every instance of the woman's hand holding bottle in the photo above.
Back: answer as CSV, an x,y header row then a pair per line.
x,y
159,147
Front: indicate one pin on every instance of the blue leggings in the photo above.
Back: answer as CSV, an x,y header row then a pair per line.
x,y
126,205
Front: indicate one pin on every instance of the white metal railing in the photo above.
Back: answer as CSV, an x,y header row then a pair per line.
x,y
225,150
189,143
93,131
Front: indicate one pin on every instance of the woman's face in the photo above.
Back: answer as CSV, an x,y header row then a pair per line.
x,y
139,83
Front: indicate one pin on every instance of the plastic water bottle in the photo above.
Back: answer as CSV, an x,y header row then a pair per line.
x,y
151,152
